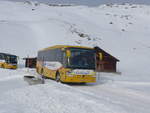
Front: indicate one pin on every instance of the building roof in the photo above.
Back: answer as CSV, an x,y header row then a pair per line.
x,y
7,54
98,49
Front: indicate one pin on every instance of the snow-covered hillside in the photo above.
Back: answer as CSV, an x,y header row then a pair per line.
x,y
121,30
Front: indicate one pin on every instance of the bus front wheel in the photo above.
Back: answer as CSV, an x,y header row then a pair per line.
x,y
57,78
37,70
42,73
2,66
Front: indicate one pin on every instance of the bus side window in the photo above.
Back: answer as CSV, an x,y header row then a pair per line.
x,y
7,59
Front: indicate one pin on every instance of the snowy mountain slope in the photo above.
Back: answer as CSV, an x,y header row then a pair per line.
x,y
122,30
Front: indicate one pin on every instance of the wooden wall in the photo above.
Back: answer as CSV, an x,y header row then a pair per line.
x,y
30,62
108,62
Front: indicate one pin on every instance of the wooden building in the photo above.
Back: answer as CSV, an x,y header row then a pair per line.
x,y
30,62
108,63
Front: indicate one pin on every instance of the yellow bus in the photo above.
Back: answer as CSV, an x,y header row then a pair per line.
x,y
70,64
8,61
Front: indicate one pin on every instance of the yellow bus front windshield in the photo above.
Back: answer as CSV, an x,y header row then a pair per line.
x,y
11,59
81,59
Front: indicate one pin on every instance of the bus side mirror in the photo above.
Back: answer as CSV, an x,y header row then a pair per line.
x,y
68,53
100,55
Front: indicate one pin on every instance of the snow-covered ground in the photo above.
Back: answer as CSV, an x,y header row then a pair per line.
x,y
105,96
121,30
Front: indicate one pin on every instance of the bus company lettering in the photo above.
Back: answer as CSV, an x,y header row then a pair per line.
x,y
52,65
82,72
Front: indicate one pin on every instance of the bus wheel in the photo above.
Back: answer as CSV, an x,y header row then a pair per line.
x,y
57,78
42,73
37,70
2,66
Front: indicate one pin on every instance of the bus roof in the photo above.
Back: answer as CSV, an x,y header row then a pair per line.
x,y
65,46
7,54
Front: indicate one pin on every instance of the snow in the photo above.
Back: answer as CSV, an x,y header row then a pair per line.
x,y
105,96
121,30
55,101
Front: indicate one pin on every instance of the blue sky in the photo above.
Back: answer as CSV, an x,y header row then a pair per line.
x,y
90,2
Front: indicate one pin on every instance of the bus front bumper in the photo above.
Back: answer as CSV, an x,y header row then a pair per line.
x,y
79,79
11,66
